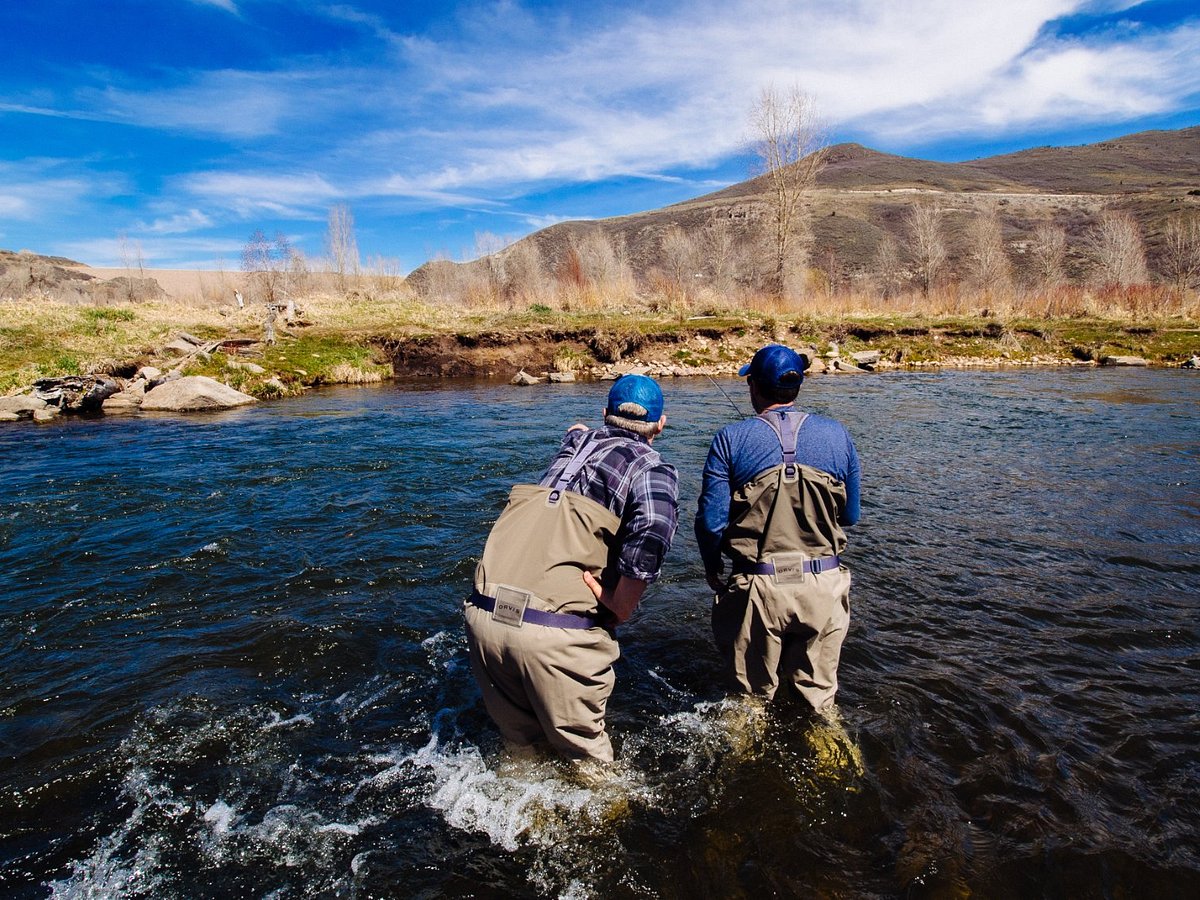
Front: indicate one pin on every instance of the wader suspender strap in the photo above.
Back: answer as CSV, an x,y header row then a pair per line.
x,y
583,452
787,429
786,569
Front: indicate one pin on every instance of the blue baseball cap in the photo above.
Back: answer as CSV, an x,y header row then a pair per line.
x,y
639,390
776,366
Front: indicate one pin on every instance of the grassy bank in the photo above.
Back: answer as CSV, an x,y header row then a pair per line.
x,y
356,339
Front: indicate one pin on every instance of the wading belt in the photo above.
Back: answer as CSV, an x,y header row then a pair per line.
x,y
781,566
534,616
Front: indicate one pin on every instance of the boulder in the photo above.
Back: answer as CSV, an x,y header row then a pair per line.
x,y
45,415
22,406
866,358
252,368
123,402
193,393
148,373
525,379
180,347
816,366
1193,363
562,377
840,366
1123,361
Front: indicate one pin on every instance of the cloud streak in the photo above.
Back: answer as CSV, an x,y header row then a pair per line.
x,y
506,110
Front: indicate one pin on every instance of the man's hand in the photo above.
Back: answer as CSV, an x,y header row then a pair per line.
x,y
620,601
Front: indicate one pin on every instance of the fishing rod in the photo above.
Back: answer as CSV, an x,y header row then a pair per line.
x,y
741,415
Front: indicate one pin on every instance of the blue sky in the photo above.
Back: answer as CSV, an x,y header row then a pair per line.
x,y
181,126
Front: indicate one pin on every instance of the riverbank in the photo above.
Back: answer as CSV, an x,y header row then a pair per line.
x,y
330,340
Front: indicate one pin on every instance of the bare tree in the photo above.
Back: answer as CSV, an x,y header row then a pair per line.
x,y
991,272
132,257
1115,246
927,244
341,244
888,266
267,264
524,275
718,245
604,264
1047,253
680,259
1181,253
790,143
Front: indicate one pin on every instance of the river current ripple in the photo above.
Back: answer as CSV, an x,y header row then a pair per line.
x,y
234,665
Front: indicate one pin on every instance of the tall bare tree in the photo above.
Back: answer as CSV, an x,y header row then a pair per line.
x,y
718,244
1181,253
1116,247
268,264
341,244
680,259
991,270
888,266
927,244
790,142
1047,253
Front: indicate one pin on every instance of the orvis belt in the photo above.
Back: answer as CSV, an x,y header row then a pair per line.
x,y
511,607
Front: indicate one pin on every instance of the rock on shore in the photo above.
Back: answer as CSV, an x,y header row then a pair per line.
x,y
193,393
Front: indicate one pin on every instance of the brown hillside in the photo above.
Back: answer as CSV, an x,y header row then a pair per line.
x,y
862,193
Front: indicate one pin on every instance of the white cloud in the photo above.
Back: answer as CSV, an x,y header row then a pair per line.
x,y
179,223
14,207
180,253
248,194
228,5
1067,82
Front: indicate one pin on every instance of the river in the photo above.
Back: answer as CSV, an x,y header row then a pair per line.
x,y
234,664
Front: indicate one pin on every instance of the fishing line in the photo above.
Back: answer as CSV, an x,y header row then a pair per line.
x,y
741,415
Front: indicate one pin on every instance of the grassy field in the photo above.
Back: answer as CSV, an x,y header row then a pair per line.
x,y
342,338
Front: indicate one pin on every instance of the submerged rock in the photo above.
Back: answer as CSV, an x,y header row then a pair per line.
x,y
194,393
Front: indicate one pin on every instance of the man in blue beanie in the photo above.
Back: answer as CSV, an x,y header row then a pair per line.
x,y
778,489
567,561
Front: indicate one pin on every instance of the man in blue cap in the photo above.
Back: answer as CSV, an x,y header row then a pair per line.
x,y
778,489
567,561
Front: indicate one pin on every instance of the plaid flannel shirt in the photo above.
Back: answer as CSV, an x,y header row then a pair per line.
x,y
644,498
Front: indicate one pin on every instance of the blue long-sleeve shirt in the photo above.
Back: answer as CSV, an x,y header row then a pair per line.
x,y
742,450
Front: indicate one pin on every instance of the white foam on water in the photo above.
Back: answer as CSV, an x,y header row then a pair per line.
x,y
517,802
138,857
112,870
277,721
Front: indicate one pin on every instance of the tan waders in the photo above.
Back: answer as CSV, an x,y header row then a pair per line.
x,y
786,608
543,662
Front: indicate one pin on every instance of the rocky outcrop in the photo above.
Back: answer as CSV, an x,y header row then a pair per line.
x,y
76,393
194,393
1123,361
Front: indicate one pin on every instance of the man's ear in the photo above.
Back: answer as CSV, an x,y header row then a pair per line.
x,y
662,423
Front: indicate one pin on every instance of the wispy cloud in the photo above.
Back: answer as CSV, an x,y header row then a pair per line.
x,y
179,223
228,5
299,196
506,109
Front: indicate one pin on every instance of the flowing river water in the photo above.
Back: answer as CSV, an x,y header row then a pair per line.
x,y
232,661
